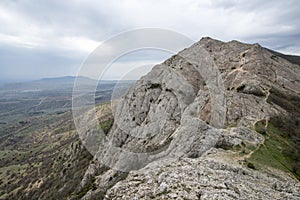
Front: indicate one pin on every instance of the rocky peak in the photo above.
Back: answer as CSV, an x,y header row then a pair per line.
x,y
226,113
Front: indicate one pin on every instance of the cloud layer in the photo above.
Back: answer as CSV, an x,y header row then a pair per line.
x,y
52,38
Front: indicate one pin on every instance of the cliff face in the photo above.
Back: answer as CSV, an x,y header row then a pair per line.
x,y
216,121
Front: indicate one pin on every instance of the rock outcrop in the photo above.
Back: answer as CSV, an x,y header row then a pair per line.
x,y
216,121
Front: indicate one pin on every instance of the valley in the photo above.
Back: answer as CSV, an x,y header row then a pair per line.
x,y
39,144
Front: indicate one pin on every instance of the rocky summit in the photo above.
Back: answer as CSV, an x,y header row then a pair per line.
x,y
215,121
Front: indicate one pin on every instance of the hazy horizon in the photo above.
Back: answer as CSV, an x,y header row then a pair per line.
x,y
57,77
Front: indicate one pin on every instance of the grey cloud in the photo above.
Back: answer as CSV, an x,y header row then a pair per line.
x,y
68,18
274,24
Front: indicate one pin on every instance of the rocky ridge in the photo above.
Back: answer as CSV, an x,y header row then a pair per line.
x,y
216,121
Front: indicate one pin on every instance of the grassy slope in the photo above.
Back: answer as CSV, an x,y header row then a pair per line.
x,y
36,154
277,151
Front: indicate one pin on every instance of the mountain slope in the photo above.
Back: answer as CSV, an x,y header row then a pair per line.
x,y
42,157
217,120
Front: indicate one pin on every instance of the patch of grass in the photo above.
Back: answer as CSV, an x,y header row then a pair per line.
x,y
106,126
82,192
277,151
5,171
91,186
60,130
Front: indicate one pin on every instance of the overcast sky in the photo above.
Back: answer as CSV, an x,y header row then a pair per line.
x,y
40,38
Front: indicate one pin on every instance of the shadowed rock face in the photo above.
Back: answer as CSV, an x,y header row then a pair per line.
x,y
200,124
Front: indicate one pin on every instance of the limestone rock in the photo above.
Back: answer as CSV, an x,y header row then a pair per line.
x,y
211,176
184,130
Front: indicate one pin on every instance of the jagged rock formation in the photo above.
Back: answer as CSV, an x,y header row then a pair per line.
x,y
216,121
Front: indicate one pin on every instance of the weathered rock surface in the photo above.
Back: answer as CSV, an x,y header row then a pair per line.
x,y
211,176
186,129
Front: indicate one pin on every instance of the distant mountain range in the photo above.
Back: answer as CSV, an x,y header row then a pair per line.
x,y
66,82
65,79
